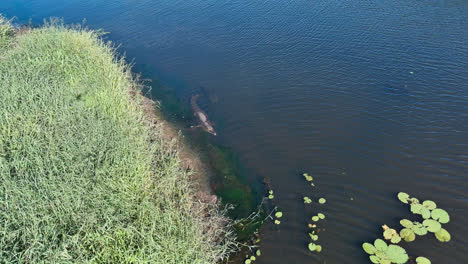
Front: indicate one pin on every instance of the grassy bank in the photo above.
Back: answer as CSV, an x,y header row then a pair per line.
x,y
84,178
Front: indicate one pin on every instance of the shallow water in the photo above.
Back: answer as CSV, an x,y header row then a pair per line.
x,y
369,97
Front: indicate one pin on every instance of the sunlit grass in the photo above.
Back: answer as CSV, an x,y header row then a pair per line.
x,y
83,179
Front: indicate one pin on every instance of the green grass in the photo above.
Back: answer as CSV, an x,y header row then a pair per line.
x,y
83,177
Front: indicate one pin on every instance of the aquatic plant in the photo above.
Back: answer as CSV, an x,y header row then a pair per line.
x,y
307,200
428,209
270,194
321,216
278,214
308,177
322,200
433,219
315,218
258,253
391,234
422,260
440,215
382,253
313,236
443,235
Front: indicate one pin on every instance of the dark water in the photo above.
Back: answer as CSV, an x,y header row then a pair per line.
x,y
369,97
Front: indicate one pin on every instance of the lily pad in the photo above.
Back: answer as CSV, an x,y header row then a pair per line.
x,y
271,196
407,234
247,261
374,259
443,235
416,208
403,197
422,260
369,248
308,177
380,245
440,215
312,247
429,204
258,253
322,200
307,200
397,254
406,223
425,213
278,214
315,218
321,216
318,248
432,225
277,222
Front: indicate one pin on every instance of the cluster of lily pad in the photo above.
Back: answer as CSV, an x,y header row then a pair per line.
x,y
433,218
382,253
312,246
251,259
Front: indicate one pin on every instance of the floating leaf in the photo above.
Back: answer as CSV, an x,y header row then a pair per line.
x,y
318,248
322,201
406,223
385,254
380,245
314,237
270,192
425,213
312,247
321,216
413,200
369,248
253,258
307,200
258,253
374,259
416,208
419,229
422,260
407,234
277,222
315,218
247,261
308,177
432,225
271,196
440,215
278,214
429,204
391,234
397,254
403,197
443,235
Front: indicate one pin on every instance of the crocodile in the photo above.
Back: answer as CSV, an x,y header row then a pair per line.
x,y
205,124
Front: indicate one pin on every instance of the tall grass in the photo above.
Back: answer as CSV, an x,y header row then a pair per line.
x,y
83,178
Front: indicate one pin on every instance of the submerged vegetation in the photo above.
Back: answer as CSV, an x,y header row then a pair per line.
x,y
433,219
84,178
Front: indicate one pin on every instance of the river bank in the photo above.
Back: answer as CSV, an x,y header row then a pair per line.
x,y
90,171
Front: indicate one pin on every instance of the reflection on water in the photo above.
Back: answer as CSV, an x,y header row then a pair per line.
x,y
369,97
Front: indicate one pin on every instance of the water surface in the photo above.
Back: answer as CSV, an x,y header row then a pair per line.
x,y
369,97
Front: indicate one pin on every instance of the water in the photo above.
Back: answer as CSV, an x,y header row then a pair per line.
x,y
369,97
